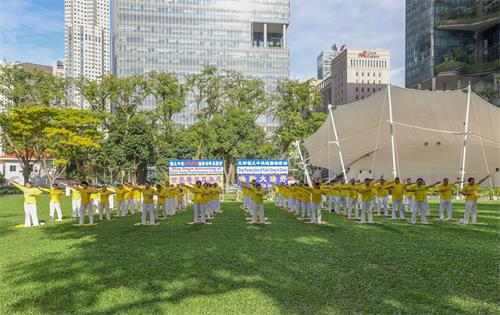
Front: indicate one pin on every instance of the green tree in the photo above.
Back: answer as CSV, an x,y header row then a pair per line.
x,y
297,108
207,91
129,94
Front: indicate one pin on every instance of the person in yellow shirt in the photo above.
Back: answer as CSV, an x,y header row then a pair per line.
x,y
420,192
445,191
341,197
76,202
329,192
316,193
170,199
178,196
120,192
161,199
285,192
185,199
30,194
104,209
367,191
148,194
382,196
137,200
218,195
397,189
85,192
470,192
352,198
279,196
129,201
95,198
408,196
199,202
55,201
258,203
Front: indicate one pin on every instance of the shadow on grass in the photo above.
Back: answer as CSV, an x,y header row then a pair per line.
x,y
303,268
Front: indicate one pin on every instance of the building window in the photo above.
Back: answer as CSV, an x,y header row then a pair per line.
x,y
362,74
356,73
362,89
357,97
356,89
12,168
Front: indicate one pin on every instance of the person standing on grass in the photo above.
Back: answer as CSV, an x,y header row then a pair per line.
x,y
383,196
55,201
199,203
316,193
104,194
30,194
137,200
352,200
120,192
258,201
470,192
420,206
76,202
161,199
85,192
397,188
129,201
445,191
95,202
367,191
148,194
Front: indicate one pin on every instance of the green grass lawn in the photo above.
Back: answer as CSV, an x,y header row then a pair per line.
x,y
230,267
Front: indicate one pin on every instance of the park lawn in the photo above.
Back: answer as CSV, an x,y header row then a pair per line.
x,y
230,267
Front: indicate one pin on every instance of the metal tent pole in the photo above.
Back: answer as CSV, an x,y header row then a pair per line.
x,y
466,136
337,140
306,171
393,145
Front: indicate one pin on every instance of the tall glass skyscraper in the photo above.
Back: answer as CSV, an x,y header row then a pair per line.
x,y
183,36
425,44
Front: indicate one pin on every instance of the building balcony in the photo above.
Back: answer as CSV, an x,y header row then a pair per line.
x,y
472,23
469,69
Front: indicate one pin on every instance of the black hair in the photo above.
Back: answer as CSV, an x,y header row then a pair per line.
x,y
84,183
470,178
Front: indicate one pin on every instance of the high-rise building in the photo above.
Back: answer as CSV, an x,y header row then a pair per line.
x,y
452,42
182,37
86,42
324,63
357,74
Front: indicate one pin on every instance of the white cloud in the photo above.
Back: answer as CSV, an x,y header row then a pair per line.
x,y
316,25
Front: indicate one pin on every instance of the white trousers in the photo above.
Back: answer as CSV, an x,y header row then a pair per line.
x,y
90,210
315,212
470,211
199,211
258,212
330,202
397,205
75,208
55,207
340,201
419,207
408,203
352,203
30,215
184,201
305,207
366,209
120,206
445,205
383,203
148,207
104,209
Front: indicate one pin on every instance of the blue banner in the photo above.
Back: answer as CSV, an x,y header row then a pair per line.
x,y
265,172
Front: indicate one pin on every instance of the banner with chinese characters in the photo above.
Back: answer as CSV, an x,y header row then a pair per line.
x,y
191,171
265,172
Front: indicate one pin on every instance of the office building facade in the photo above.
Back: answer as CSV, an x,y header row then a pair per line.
x,y
86,42
358,73
183,37
452,42
324,63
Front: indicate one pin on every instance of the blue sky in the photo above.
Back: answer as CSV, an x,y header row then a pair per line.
x,y
32,30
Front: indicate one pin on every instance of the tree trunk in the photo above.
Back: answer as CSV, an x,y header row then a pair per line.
x,y
26,169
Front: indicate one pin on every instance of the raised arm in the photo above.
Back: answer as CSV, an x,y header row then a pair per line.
x,y
482,180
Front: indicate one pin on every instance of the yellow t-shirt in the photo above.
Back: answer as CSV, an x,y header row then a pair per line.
x,y
147,194
130,193
85,193
137,194
162,195
397,191
353,191
104,195
55,194
367,192
316,194
419,192
382,189
445,192
198,194
258,196
120,194
30,194
470,191
75,194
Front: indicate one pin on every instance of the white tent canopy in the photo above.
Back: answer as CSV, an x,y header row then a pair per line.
x,y
428,130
